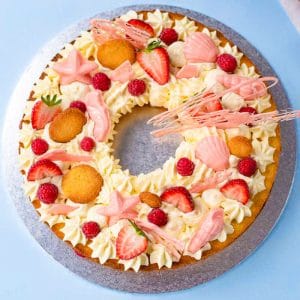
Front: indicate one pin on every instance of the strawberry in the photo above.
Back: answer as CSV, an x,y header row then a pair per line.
x,y
155,61
180,197
211,106
44,111
42,169
236,189
141,25
131,242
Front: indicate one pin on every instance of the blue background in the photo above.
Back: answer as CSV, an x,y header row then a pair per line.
x,y
27,272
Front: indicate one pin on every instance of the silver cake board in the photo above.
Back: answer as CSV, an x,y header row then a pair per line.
x,y
157,280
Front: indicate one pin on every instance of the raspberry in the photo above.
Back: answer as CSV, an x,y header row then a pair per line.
x,y
158,217
247,166
90,229
78,104
169,36
227,62
87,144
136,87
39,146
249,110
47,193
101,81
185,167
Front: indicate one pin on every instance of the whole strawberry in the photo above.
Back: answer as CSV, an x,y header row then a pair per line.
x,y
247,166
227,62
185,167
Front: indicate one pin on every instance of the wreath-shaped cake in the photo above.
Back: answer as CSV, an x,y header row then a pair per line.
x,y
201,199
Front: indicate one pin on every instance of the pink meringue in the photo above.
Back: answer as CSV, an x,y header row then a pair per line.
x,y
122,73
188,71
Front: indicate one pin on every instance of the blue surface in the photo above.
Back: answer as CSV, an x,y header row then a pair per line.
x,y
27,272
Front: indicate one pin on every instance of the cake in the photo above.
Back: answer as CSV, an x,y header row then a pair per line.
x,y
200,200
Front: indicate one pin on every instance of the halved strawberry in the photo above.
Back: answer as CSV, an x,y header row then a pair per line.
x,y
211,106
236,189
44,111
139,24
42,169
131,242
155,61
180,197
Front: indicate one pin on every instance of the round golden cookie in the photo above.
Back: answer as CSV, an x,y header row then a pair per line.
x,y
82,184
113,53
240,146
152,200
66,125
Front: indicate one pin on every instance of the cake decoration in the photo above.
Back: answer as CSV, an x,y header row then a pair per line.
x,y
204,196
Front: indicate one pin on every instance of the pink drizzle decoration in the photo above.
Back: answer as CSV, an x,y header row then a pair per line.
x,y
104,30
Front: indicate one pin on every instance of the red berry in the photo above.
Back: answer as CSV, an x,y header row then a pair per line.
x,y
47,193
227,62
247,166
158,217
78,104
168,36
87,144
142,25
185,167
249,110
39,146
79,253
90,229
101,81
136,87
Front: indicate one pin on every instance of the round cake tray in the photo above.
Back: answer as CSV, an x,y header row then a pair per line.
x,y
159,280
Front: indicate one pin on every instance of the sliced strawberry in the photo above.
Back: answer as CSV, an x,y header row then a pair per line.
x,y
211,106
42,169
155,61
44,111
131,242
141,25
236,189
180,197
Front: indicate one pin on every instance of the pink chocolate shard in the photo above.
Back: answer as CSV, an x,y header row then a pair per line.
x,y
75,68
60,209
188,71
199,47
211,226
99,113
123,73
213,152
62,155
119,207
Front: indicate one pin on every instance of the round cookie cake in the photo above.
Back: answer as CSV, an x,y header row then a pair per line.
x,y
201,199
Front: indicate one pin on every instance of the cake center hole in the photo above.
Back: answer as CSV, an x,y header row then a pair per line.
x,y
135,147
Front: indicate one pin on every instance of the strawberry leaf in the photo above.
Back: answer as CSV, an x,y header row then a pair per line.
x,y
138,230
51,101
153,45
